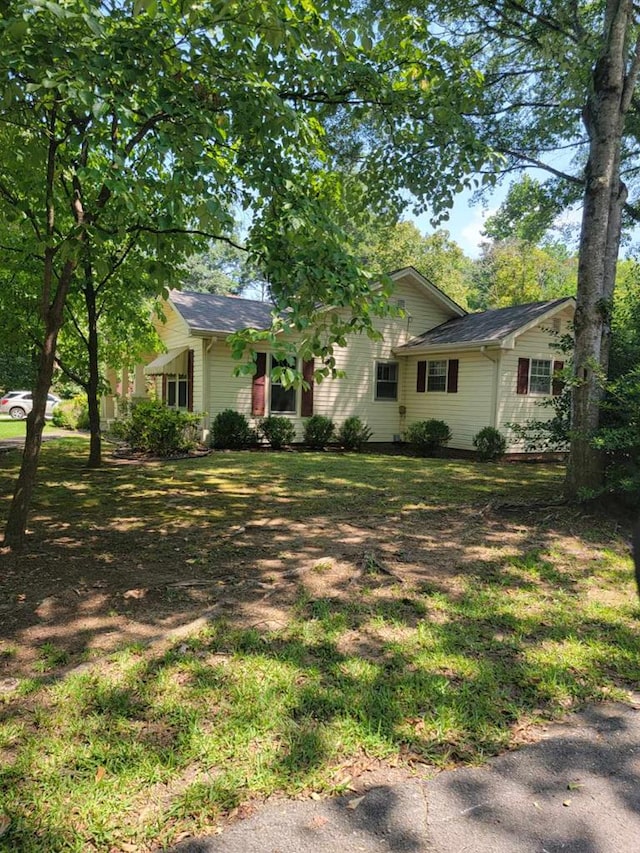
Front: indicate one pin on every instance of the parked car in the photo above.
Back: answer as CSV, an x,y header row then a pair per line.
x,y
18,404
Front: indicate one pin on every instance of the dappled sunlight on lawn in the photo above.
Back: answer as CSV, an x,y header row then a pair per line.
x,y
349,611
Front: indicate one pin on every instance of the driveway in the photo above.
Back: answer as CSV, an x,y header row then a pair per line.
x,y
577,791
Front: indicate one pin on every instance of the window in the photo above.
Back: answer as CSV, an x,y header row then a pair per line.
x,y
283,400
540,376
440,375
437,376
386,380
177,391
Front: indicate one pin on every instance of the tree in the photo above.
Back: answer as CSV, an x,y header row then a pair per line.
x,y
220,268
560,86
202,108
388,246
510,272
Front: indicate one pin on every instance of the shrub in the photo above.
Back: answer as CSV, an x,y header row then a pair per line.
x,y
353,434
490,444
318,431
155,428
427,437
231,430
277,430
71,414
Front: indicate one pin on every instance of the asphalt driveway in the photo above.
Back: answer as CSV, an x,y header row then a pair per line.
x,y
577,790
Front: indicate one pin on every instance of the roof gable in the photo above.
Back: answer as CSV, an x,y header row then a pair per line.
x,y
429,289
488,327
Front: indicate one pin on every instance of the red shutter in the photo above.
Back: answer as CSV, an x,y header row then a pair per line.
x,y
452,376
557,385
421,382
306,404
258,386
523,376
164,388
190,380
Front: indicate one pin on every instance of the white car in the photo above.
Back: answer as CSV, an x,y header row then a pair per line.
x,y
18,404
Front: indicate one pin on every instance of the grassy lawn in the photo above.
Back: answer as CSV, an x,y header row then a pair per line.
x,y
363,612
15,429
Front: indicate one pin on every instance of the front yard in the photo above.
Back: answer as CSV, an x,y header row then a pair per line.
x,y
365,617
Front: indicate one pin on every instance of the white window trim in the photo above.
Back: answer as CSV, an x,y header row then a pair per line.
x,y
377,399
446,376
550,389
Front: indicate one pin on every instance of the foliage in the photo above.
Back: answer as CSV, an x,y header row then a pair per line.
x,y
221,268
354,433
527,213
72,414
154,428
277,430
619,436
386,246
428,437
490,444
514,271
231,430
318,431
17,370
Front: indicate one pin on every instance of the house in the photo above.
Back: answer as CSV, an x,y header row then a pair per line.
x,y
435,361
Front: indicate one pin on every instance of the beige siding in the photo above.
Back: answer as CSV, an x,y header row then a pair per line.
x,y
355,393
517,408
465,412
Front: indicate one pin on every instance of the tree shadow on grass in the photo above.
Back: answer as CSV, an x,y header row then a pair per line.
x,y
258,711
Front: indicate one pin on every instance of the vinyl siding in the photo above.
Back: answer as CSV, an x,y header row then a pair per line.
x,y
466,411
174,334
537,343
355,393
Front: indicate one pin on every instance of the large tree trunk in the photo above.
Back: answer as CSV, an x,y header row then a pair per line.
x,y
18,512
93,385
599,243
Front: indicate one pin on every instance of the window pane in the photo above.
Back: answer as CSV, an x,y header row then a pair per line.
x,y
283,400
540,376
387,380
171,391
182,393
437,376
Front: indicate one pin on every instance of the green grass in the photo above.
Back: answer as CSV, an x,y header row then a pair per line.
x,y
148,745
12,429
15,429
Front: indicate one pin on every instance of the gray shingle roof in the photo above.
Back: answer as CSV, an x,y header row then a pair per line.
x,y
486,326
208,312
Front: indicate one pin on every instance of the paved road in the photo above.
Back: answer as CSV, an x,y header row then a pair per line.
x,y
575,791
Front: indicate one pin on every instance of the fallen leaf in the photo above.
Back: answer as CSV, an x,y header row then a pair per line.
x,y
574,786
353,804
136,593
566,803
5,823
100,774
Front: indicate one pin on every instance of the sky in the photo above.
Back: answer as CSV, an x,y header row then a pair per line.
x,y
465,221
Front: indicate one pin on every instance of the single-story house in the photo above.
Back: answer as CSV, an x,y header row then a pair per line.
x,y
436,361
